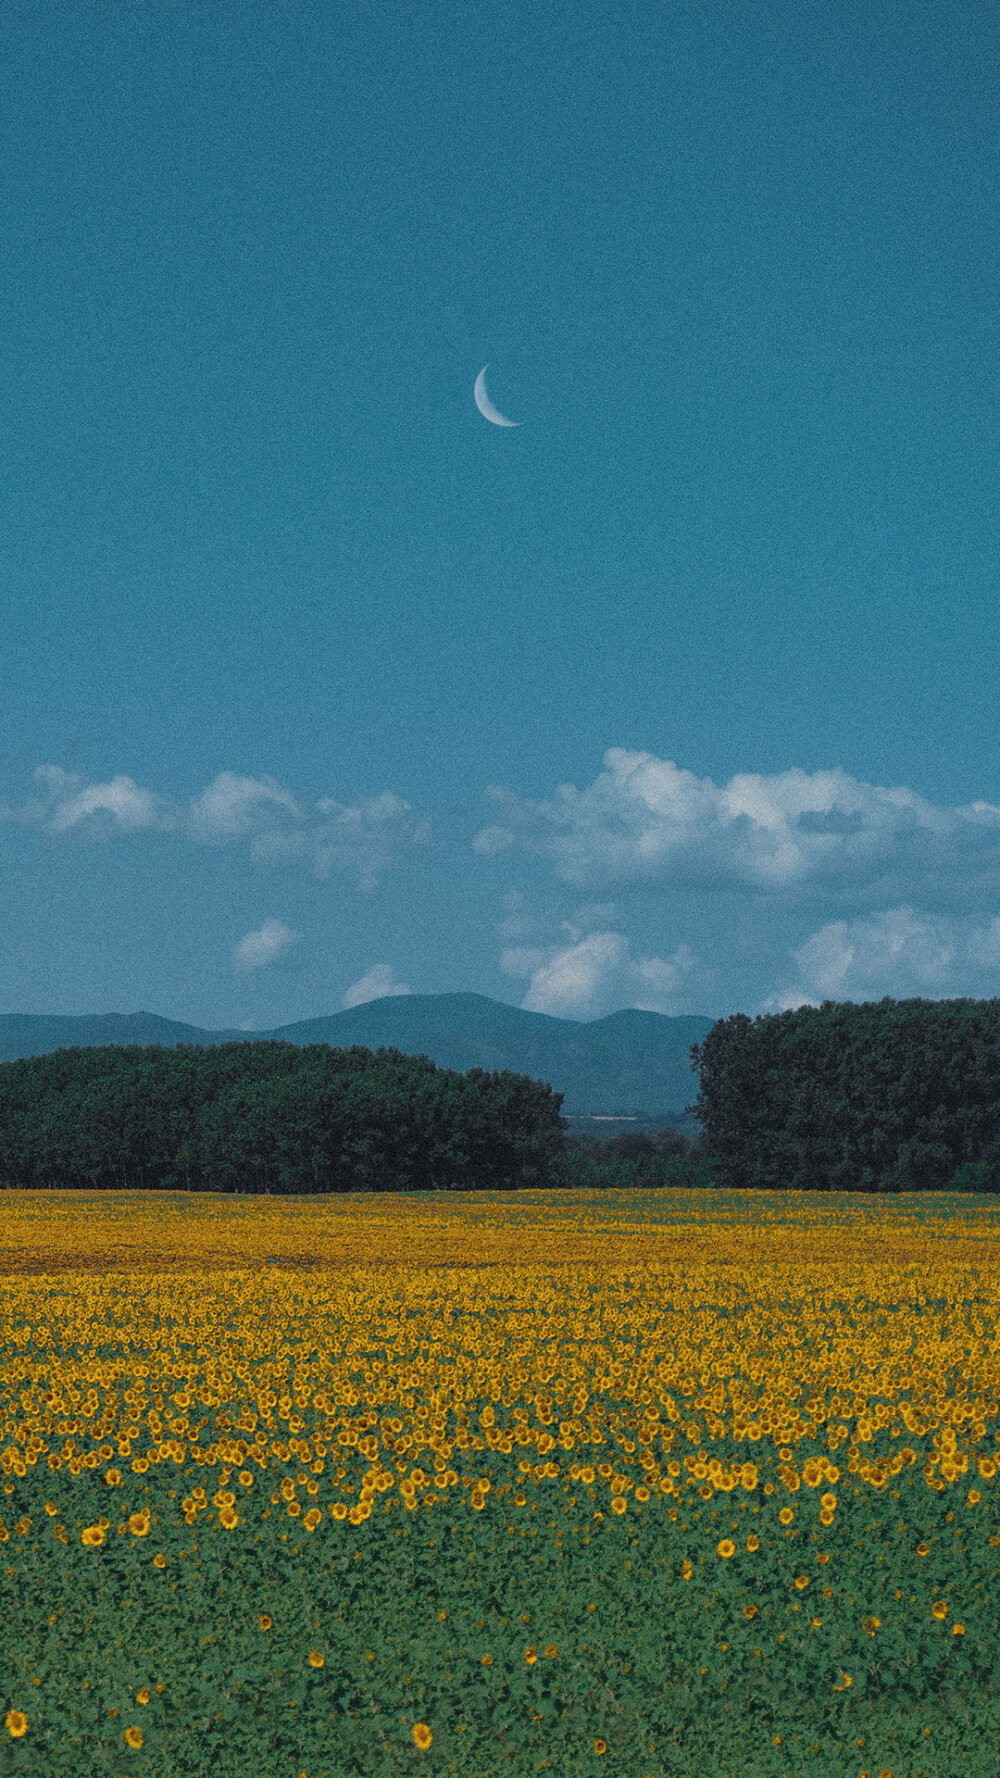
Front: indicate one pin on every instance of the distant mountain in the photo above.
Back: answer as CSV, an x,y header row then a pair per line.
x,y
628,1062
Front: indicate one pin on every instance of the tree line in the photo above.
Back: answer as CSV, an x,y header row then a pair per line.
x,y
284,1118
887,1096
271,1117
893,1095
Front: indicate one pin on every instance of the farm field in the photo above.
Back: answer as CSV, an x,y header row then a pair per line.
x,y
661,1485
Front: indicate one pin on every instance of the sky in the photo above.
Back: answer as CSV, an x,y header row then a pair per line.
x,y
680,693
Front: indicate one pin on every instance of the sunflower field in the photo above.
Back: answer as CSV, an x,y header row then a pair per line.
x,y
664,1485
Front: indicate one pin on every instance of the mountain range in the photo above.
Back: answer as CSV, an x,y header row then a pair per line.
x,y
630,1062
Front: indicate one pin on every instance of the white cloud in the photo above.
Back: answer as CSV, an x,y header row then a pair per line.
x,y
597,974
525,924
898,952
360,839
64,802
256,949
643,822
376,984
235,808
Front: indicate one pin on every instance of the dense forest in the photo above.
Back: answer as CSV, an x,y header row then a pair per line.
x,y
664,1158
882,1096
887,1096
285,1118
271,1117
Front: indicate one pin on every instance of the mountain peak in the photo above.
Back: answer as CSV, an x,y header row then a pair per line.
x,y
629,1062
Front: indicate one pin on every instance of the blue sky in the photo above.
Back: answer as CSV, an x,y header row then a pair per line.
x,y
316,685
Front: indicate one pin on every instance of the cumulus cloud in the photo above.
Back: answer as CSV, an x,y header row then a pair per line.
x,y
376,984
256,949
595,974
64,802
898,952
360,839
234,808
645,823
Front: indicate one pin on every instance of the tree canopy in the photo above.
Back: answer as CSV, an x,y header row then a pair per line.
x,y
884,1096
271,1117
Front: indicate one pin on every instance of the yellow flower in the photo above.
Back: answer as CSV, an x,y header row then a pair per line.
x,y
973,1496
228,1519
422,1736
531,1656
749,1611
487,1661
160,1560
958,1629
339,1510
142,1695
16,1723
939,1609
113,1477
828,1501
618,1505
316,1659
686,1569
134,1736
801,1580
139,1524
786,1515
753,1543
93,1537
923,1549
264,1621
600,1746
551,1651
313,1518
245,1479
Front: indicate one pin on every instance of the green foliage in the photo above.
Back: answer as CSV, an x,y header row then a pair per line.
x,y
971,1176
661,1161
667,1671
271,1117
893,1096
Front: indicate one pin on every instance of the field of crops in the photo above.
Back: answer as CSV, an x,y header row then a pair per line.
x,y
662,1485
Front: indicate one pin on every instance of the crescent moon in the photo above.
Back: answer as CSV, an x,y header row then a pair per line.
x,y
485,405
